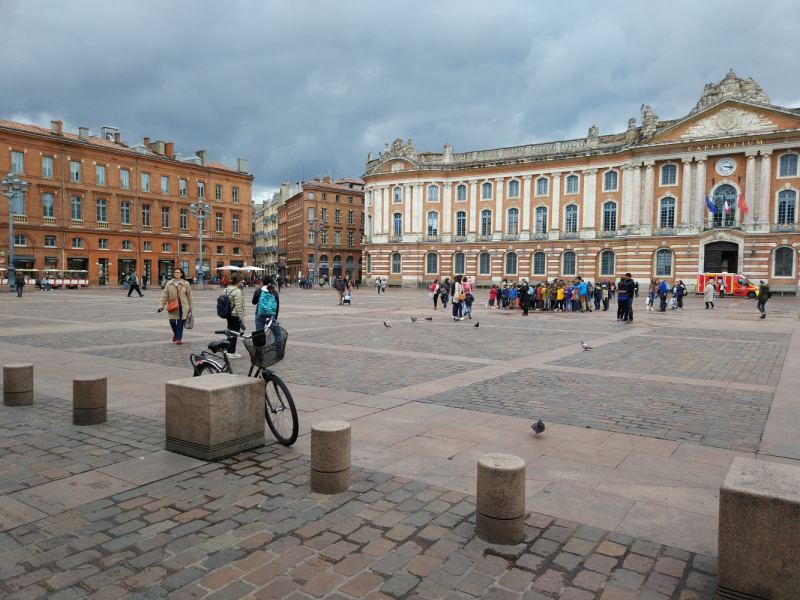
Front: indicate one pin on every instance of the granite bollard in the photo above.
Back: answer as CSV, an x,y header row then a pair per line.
x,y
18,384
500,506
330,457
89,400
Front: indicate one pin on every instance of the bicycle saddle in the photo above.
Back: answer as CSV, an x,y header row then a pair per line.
x,y
218,345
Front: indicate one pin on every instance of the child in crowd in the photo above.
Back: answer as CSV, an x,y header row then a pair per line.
x,y
468,303
492,296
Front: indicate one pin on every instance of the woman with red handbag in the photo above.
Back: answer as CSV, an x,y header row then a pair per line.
x,y
177,299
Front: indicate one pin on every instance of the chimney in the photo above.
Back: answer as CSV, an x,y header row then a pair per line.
x,y
158,148
170,150
326,179
83,134
55,127
147,142
241,165
203,154
116,138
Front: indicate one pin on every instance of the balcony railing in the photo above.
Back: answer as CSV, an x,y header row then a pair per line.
x,y
147,228
510,237
126,227
393,239
784,227
50,221
459,238
484,238
540,236
20,218
166,230
184,231
77,222
568,235
432,238
666,231
608,234
236,236
102,225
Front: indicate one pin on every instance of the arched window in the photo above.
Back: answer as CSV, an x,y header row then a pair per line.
x,y
541,219
511,263
784,262
788,165
350,263
432,263
541,186
485,264
571,218
369,226
539,262
572,184
607,263
433,223
461,193
369,263
669,175
610,216
458,263
569,263
397,228
725,197
461,223
610,180
397,263
787,206
398,194
513,221
433,193
667,212
486,222
486,191
664,263
513,189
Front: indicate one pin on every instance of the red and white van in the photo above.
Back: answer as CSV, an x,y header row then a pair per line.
x,y
733,284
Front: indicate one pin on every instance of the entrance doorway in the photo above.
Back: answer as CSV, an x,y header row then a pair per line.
x,y
165,269
721,257
125,266
103,279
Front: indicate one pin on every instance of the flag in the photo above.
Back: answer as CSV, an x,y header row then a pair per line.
x,y
711,206
727,208
742,205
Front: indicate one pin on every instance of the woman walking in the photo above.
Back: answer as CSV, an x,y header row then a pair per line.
x,y
651,293
435,292
178,300
680,292
378,286
236,319
763,296
458,302
708,293
444,292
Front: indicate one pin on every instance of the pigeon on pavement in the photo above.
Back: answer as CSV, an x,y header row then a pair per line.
x,y
429,318
477,324
385,325
538,427
413,319
586,346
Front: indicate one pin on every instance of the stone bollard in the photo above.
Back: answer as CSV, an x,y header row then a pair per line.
x,y
500,508
330,457
18,384
89,400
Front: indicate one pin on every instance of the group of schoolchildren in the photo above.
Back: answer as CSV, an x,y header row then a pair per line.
x,y
459,291
558,296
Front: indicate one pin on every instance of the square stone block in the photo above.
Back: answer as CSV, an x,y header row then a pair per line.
x,y
214,416
759,529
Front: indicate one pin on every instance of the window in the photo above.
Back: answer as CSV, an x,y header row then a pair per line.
x,y
337,199
513,221
324,212
337,217
350,217
610,180
541,219
218,192
77,209
310,237
337,237
458,263
362,219
184,218
17,162
146,215
100,174
165,247
219,222
787,204
486,191
165,217
607,263
571,218
369,225
125,213
148,247
513,189
369,263
669,175
397,263
48,205
183,187
324,197
397,227
323,237
49,241
433,223
102,243
350,201
572,184
201,190
47,166
77,242
486,222
125,179
511,263
541,186
235,223
20,239
145,182
185,248
311,195
18,205
310,213
667,212
725,195
539,262
485,264
164,184
349,238
431,263
74,170
784,262
362,204
433,193
101,211
235,195
461,193
788,165
220,249
663,263
397,195
569,263
461,223
609,216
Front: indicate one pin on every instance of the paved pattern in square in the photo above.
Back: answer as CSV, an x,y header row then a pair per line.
x,y
722,334
67,341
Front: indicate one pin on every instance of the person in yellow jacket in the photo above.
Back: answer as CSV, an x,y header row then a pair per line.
x,y
560,298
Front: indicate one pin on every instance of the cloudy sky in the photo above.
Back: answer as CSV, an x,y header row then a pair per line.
x,y
311,87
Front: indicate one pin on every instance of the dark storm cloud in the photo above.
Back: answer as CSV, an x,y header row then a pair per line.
x,y
317,85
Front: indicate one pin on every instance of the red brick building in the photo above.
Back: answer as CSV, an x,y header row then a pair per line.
x,y
94,204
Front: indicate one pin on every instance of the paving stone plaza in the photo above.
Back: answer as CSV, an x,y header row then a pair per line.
x,y
622,488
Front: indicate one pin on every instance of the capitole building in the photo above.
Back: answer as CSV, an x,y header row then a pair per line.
x,y
599,206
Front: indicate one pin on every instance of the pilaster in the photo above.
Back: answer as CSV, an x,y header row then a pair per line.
x,y
649,192
686,191
627,195
418,210
700,190
637,194
447,208
589,199
555,211
526,203
387,199
499,217
473,205
408,195
750,186
766,176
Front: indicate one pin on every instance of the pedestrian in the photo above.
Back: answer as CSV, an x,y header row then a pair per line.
x,y
524,297
458,299
629,283
268,304
339,286
236,318
623,299
435,292
680,292
708,293
19,283
663,288
178,300
468,304
134,285
583,290
612,290
763,295
492,296
720,289
378,286
597,295
383,286
144,281
513,296
604,296
560,298
444,292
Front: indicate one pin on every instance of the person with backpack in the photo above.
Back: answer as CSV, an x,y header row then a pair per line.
x,y
763,295
680,292
178,300
230,306
339,286
663,289
434,289
444,292
134,283
268,303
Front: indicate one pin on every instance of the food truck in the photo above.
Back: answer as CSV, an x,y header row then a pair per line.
x,y
732,283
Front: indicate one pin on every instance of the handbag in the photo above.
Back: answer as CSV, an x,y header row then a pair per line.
x,y
173,305
462,297
188,323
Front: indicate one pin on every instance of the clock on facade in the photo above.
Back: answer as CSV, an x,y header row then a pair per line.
x,y
726,166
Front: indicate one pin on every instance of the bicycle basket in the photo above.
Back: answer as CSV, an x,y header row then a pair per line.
x,y
269,354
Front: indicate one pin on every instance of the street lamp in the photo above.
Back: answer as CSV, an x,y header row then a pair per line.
x,y
201,214
316,226
12,189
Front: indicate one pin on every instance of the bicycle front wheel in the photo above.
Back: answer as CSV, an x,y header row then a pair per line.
x,y
279,409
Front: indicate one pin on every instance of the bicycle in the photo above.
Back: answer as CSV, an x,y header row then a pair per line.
x,y
266,347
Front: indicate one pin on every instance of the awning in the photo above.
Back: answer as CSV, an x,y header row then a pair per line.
x,y
51,258
24,258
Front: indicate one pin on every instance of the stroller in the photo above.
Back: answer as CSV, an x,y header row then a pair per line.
x,y
346,297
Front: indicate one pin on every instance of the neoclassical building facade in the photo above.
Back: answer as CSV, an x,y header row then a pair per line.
x,y
602,205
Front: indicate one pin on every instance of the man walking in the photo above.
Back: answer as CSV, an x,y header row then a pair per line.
x,y
763,296
583,289
19,283
663,288
339,287
134,284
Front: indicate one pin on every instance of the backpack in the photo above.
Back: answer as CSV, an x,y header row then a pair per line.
x,y
266,304
225,307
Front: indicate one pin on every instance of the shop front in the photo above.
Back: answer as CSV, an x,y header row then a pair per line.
x,y
125,266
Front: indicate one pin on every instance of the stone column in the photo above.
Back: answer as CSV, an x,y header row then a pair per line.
x,y
649,191
500,502
526,203
499,217
89,400
377,211
387,210
473,205
330,457
408,198
555,211
447,208
420,219
627,195
18,384
686,191
589,199
636,203
766,178
750,185
700,190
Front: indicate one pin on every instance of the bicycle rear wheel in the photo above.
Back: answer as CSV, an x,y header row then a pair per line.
x,y
205,369
279,409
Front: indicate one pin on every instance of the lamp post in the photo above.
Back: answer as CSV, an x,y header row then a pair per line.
x,y
12,189
201,213
316,227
